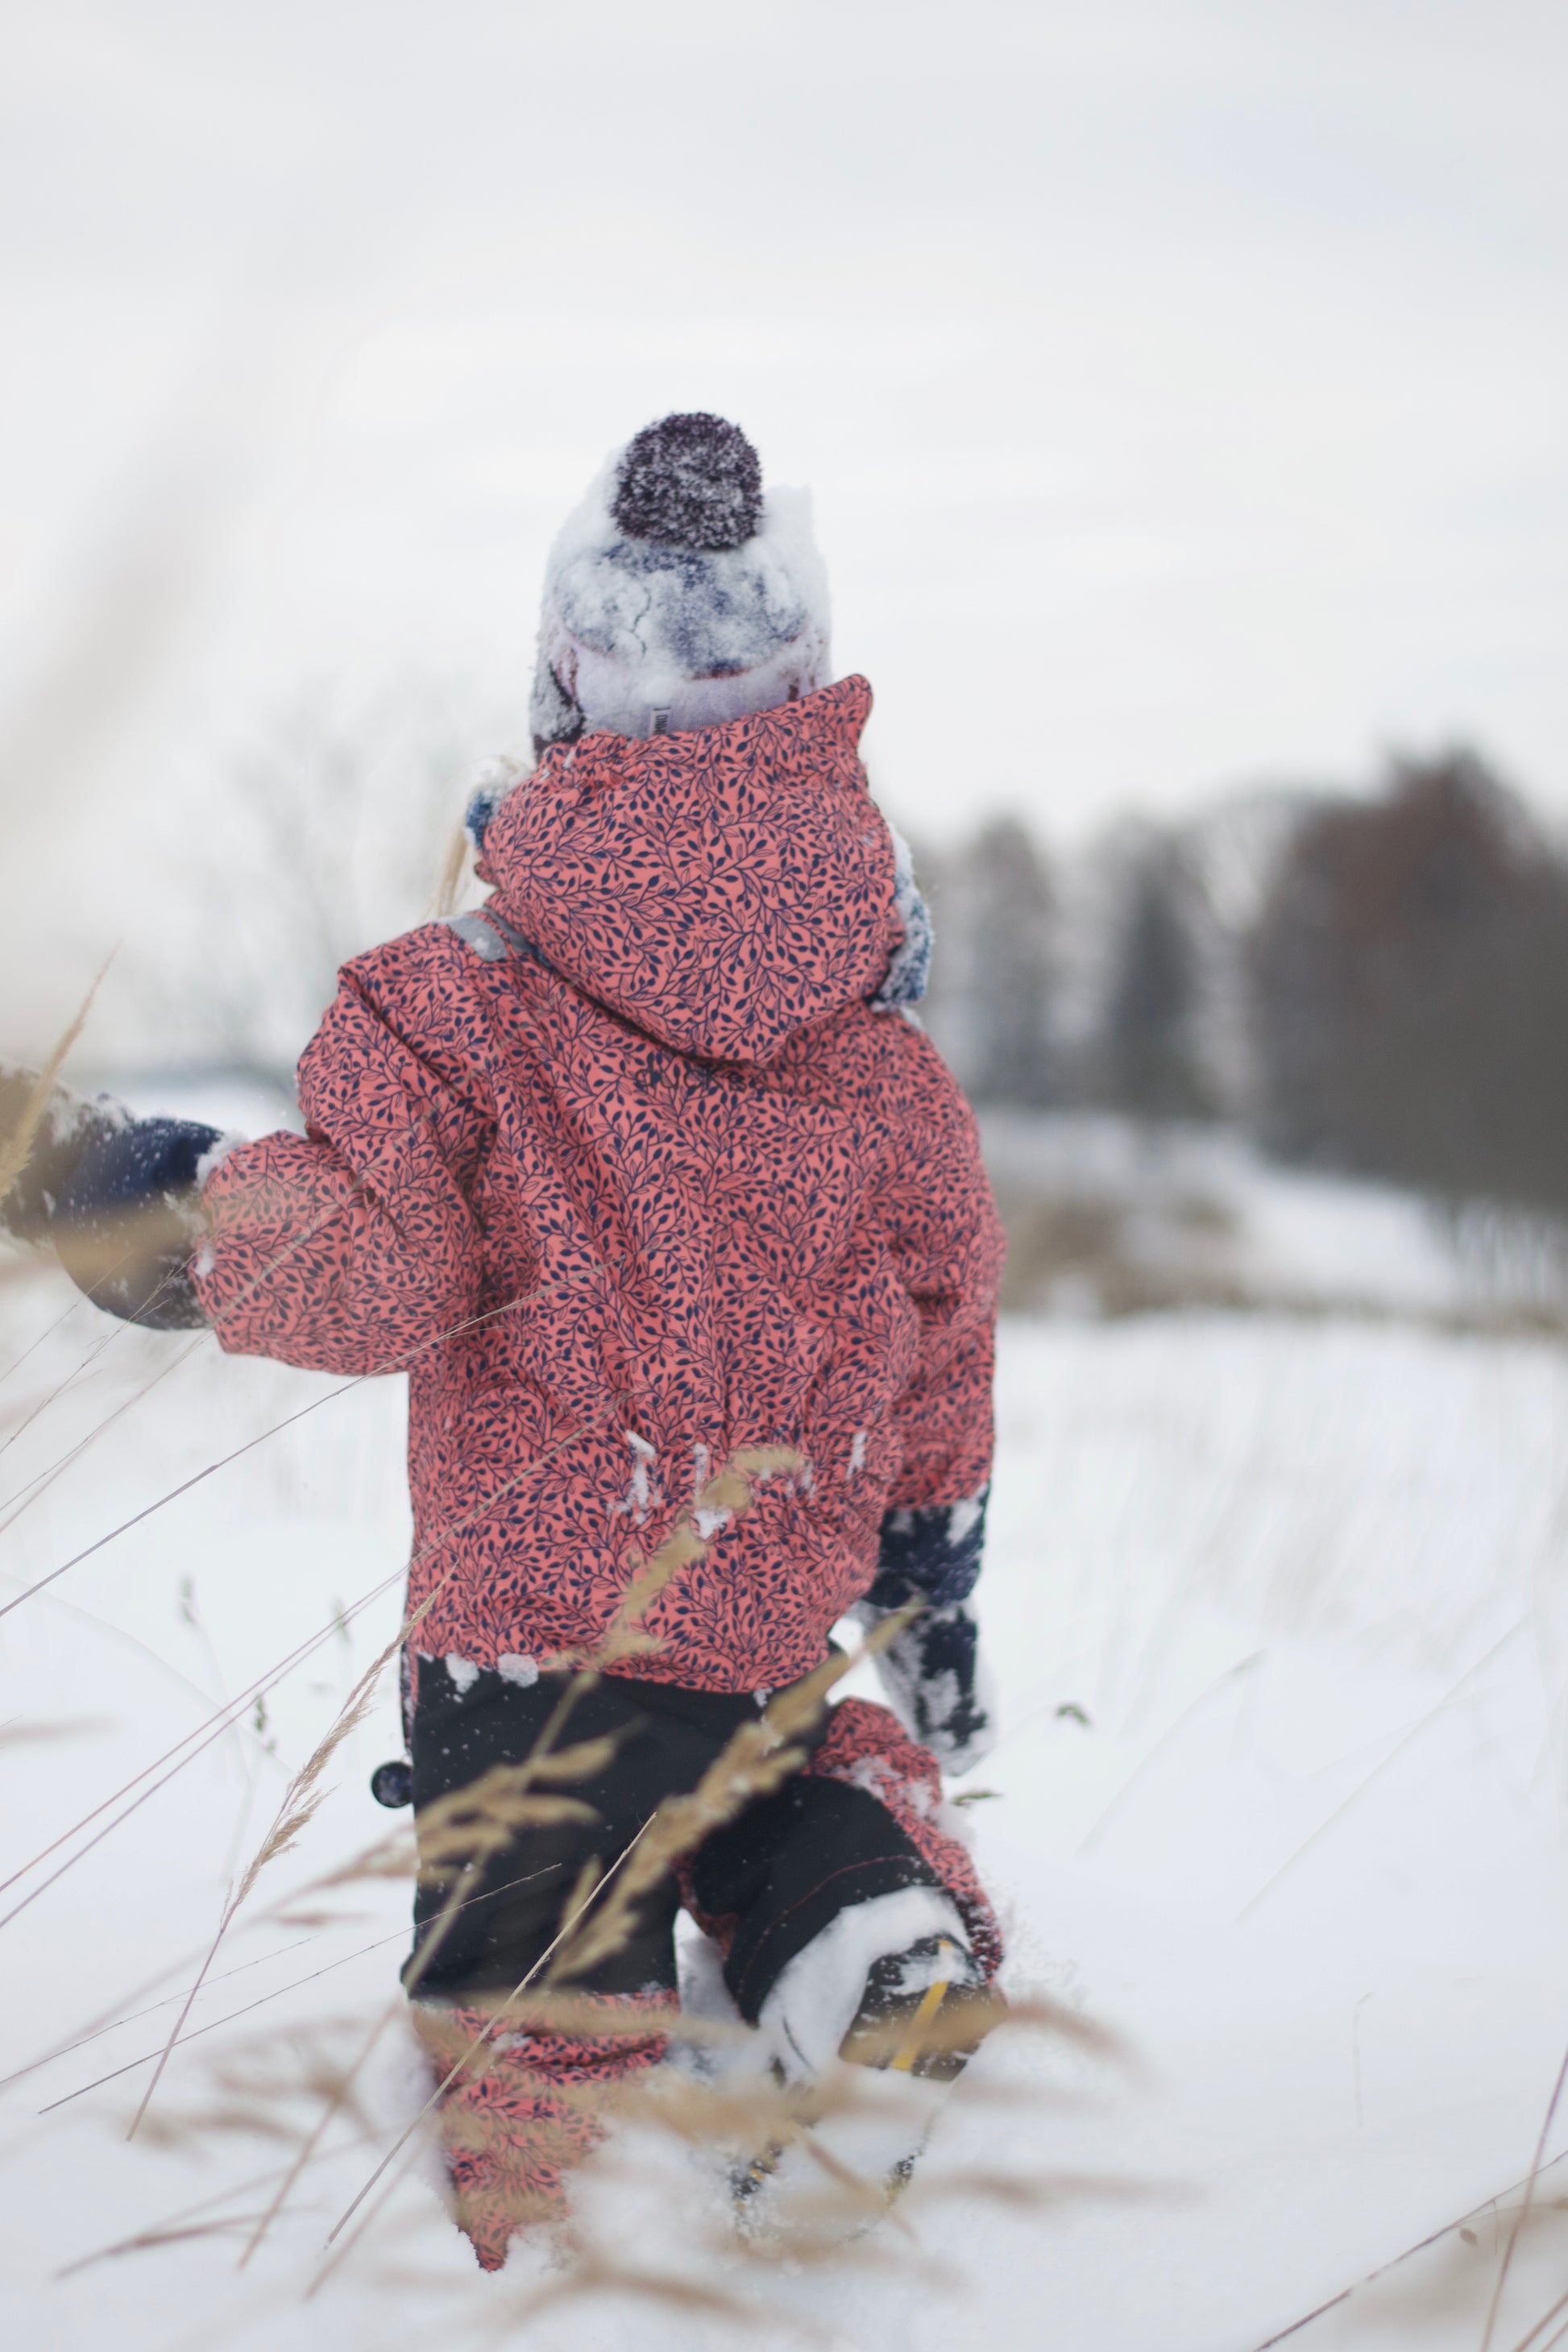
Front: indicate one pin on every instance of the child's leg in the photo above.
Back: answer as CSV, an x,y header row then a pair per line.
x,y
521,2105
848,1864
866,1747
521,2110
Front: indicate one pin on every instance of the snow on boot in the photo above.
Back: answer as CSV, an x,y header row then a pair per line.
x,y
871,2021
849,1977
925,2012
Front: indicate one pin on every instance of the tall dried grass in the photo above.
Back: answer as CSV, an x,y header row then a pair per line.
x,y
724,2119
719,2120
17,1148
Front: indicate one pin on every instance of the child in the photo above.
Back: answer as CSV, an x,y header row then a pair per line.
x,y
645,1163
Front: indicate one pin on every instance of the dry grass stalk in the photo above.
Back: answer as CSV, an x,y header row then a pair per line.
x,y
726,1496
15,1148
460,1832
589,1879
250,2096
1535,2339
22,1266
457,1840
148,2241
392,1857
456,1837
33,1735
176,2226
211,1469
151,1229
284,1194
302,1801
38,1488
757,2112
828,2227
1521,2214
222,1719
74,1453
452,874
25,1416
756,1759
594,2274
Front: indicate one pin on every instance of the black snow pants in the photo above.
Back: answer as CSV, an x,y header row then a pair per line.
x,y
775,1875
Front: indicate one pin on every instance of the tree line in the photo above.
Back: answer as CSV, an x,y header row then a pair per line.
x,y
1377,983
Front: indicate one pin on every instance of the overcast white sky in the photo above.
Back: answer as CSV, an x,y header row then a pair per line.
x,y
1182,382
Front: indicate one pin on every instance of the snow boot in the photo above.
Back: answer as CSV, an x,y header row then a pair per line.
x,y
870,2023
925,2012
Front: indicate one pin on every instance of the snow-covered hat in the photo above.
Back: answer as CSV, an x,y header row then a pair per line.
x,y
678,596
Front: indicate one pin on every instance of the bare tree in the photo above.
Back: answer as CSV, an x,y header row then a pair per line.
x,y
325,839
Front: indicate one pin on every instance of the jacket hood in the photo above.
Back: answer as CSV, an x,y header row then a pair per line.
x,y
718,889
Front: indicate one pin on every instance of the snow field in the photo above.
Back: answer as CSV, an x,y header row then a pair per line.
x,y
1304,1579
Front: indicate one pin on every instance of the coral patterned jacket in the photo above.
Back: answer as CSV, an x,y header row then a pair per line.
x,y
646,1179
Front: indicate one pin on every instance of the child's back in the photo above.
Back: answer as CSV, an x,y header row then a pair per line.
x,y
702,1195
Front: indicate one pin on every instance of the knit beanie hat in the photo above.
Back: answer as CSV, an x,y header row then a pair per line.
x,y
678,596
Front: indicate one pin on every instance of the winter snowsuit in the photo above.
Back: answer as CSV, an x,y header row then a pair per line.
x,y
653,1184
628,1171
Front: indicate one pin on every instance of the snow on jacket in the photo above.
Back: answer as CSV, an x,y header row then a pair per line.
x,y
645,1180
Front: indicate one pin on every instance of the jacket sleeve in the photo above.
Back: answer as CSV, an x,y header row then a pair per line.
x,y
351,1247
945,1237
940,1224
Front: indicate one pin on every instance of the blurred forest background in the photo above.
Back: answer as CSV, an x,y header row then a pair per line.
x,y
1368,979
1377,983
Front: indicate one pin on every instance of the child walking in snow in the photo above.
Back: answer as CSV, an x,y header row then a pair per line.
x,y
639,1167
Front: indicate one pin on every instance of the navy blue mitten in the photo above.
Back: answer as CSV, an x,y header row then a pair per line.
x,y
935,1678
44,1130
116,1198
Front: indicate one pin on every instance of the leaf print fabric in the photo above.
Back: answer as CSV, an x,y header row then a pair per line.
x,y
663,1188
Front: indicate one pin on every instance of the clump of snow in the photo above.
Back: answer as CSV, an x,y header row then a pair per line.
x,y
640,1494
215,1155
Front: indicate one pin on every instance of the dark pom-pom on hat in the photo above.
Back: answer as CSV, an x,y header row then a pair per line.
x,y
690,481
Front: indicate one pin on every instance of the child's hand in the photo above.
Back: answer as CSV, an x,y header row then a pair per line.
x,y
938,1685
116,1197
45,1128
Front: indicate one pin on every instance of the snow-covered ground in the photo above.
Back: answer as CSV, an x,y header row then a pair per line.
x,y
1279,1605
1108,1215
